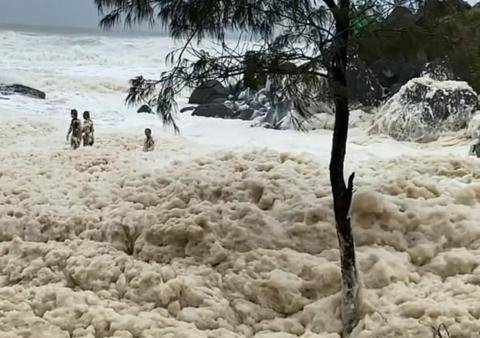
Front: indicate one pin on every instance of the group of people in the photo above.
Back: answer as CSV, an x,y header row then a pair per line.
x,y
78,132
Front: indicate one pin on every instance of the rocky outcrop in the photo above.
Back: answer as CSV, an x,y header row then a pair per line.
x,y
424,108
22,90
209,92
264,107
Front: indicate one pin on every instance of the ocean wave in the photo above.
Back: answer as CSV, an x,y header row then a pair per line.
x,y
60,83
21,47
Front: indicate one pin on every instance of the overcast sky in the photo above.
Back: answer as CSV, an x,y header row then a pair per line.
x,y
70,13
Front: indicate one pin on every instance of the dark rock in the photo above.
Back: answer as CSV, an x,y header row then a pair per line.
x,y
145,109
424,108
184,110
244,114
400,17
22,90
208,92
213,110
219,101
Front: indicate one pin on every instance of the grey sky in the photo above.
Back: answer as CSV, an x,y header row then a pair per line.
x,y
70,13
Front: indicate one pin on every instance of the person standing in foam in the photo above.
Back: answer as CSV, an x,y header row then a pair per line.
x,y
149,144
75,130
87,130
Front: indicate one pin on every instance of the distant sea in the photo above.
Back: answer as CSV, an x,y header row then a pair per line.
x,y
59,30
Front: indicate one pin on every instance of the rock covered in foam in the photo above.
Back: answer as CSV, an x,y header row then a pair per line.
x,y
439,70
424,108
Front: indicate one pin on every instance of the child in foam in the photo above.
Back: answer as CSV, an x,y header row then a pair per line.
x,y
149,144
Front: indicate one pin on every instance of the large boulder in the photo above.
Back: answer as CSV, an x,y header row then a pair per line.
x,y
209,92
22,90
424,108
213,110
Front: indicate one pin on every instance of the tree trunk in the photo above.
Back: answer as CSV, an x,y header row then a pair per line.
x,y
342,193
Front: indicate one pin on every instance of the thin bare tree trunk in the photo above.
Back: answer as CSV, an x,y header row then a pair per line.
x,y
342,193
